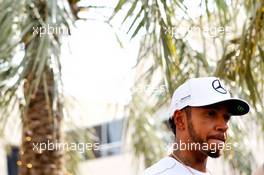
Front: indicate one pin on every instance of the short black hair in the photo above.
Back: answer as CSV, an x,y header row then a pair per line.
x,y
172,125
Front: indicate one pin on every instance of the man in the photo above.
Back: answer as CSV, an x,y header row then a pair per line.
x,y
199,113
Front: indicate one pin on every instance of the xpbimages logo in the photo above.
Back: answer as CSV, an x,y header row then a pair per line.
x,y
192,146
50,30
56,146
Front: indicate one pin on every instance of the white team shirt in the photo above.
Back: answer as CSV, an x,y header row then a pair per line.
x,y
170,166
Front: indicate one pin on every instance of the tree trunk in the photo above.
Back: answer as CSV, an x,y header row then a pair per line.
x,y
41,123
40,126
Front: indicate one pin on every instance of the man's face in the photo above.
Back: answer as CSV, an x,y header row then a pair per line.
x,y
208,126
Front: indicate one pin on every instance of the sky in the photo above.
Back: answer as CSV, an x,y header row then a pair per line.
x,y
95,67
97,72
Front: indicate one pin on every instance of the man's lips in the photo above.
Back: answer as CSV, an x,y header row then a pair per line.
x,y
218,137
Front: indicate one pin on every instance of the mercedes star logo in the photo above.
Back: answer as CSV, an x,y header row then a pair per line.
x,y
218,87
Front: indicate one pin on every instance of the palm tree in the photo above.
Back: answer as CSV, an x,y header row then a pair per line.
x,y
35,28
235,53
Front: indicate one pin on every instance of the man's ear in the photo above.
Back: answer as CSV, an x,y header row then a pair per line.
x,y
179,119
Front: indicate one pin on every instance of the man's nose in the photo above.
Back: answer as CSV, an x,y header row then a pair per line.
x,y
222,125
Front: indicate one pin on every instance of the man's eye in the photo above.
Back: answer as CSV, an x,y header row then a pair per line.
x,y
211,113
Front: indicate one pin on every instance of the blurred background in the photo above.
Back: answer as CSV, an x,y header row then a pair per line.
x,y
103,72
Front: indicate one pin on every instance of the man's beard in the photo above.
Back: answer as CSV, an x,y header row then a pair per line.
x,y
214,153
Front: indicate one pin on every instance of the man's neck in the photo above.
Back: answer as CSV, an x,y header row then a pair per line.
x,y
196,160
